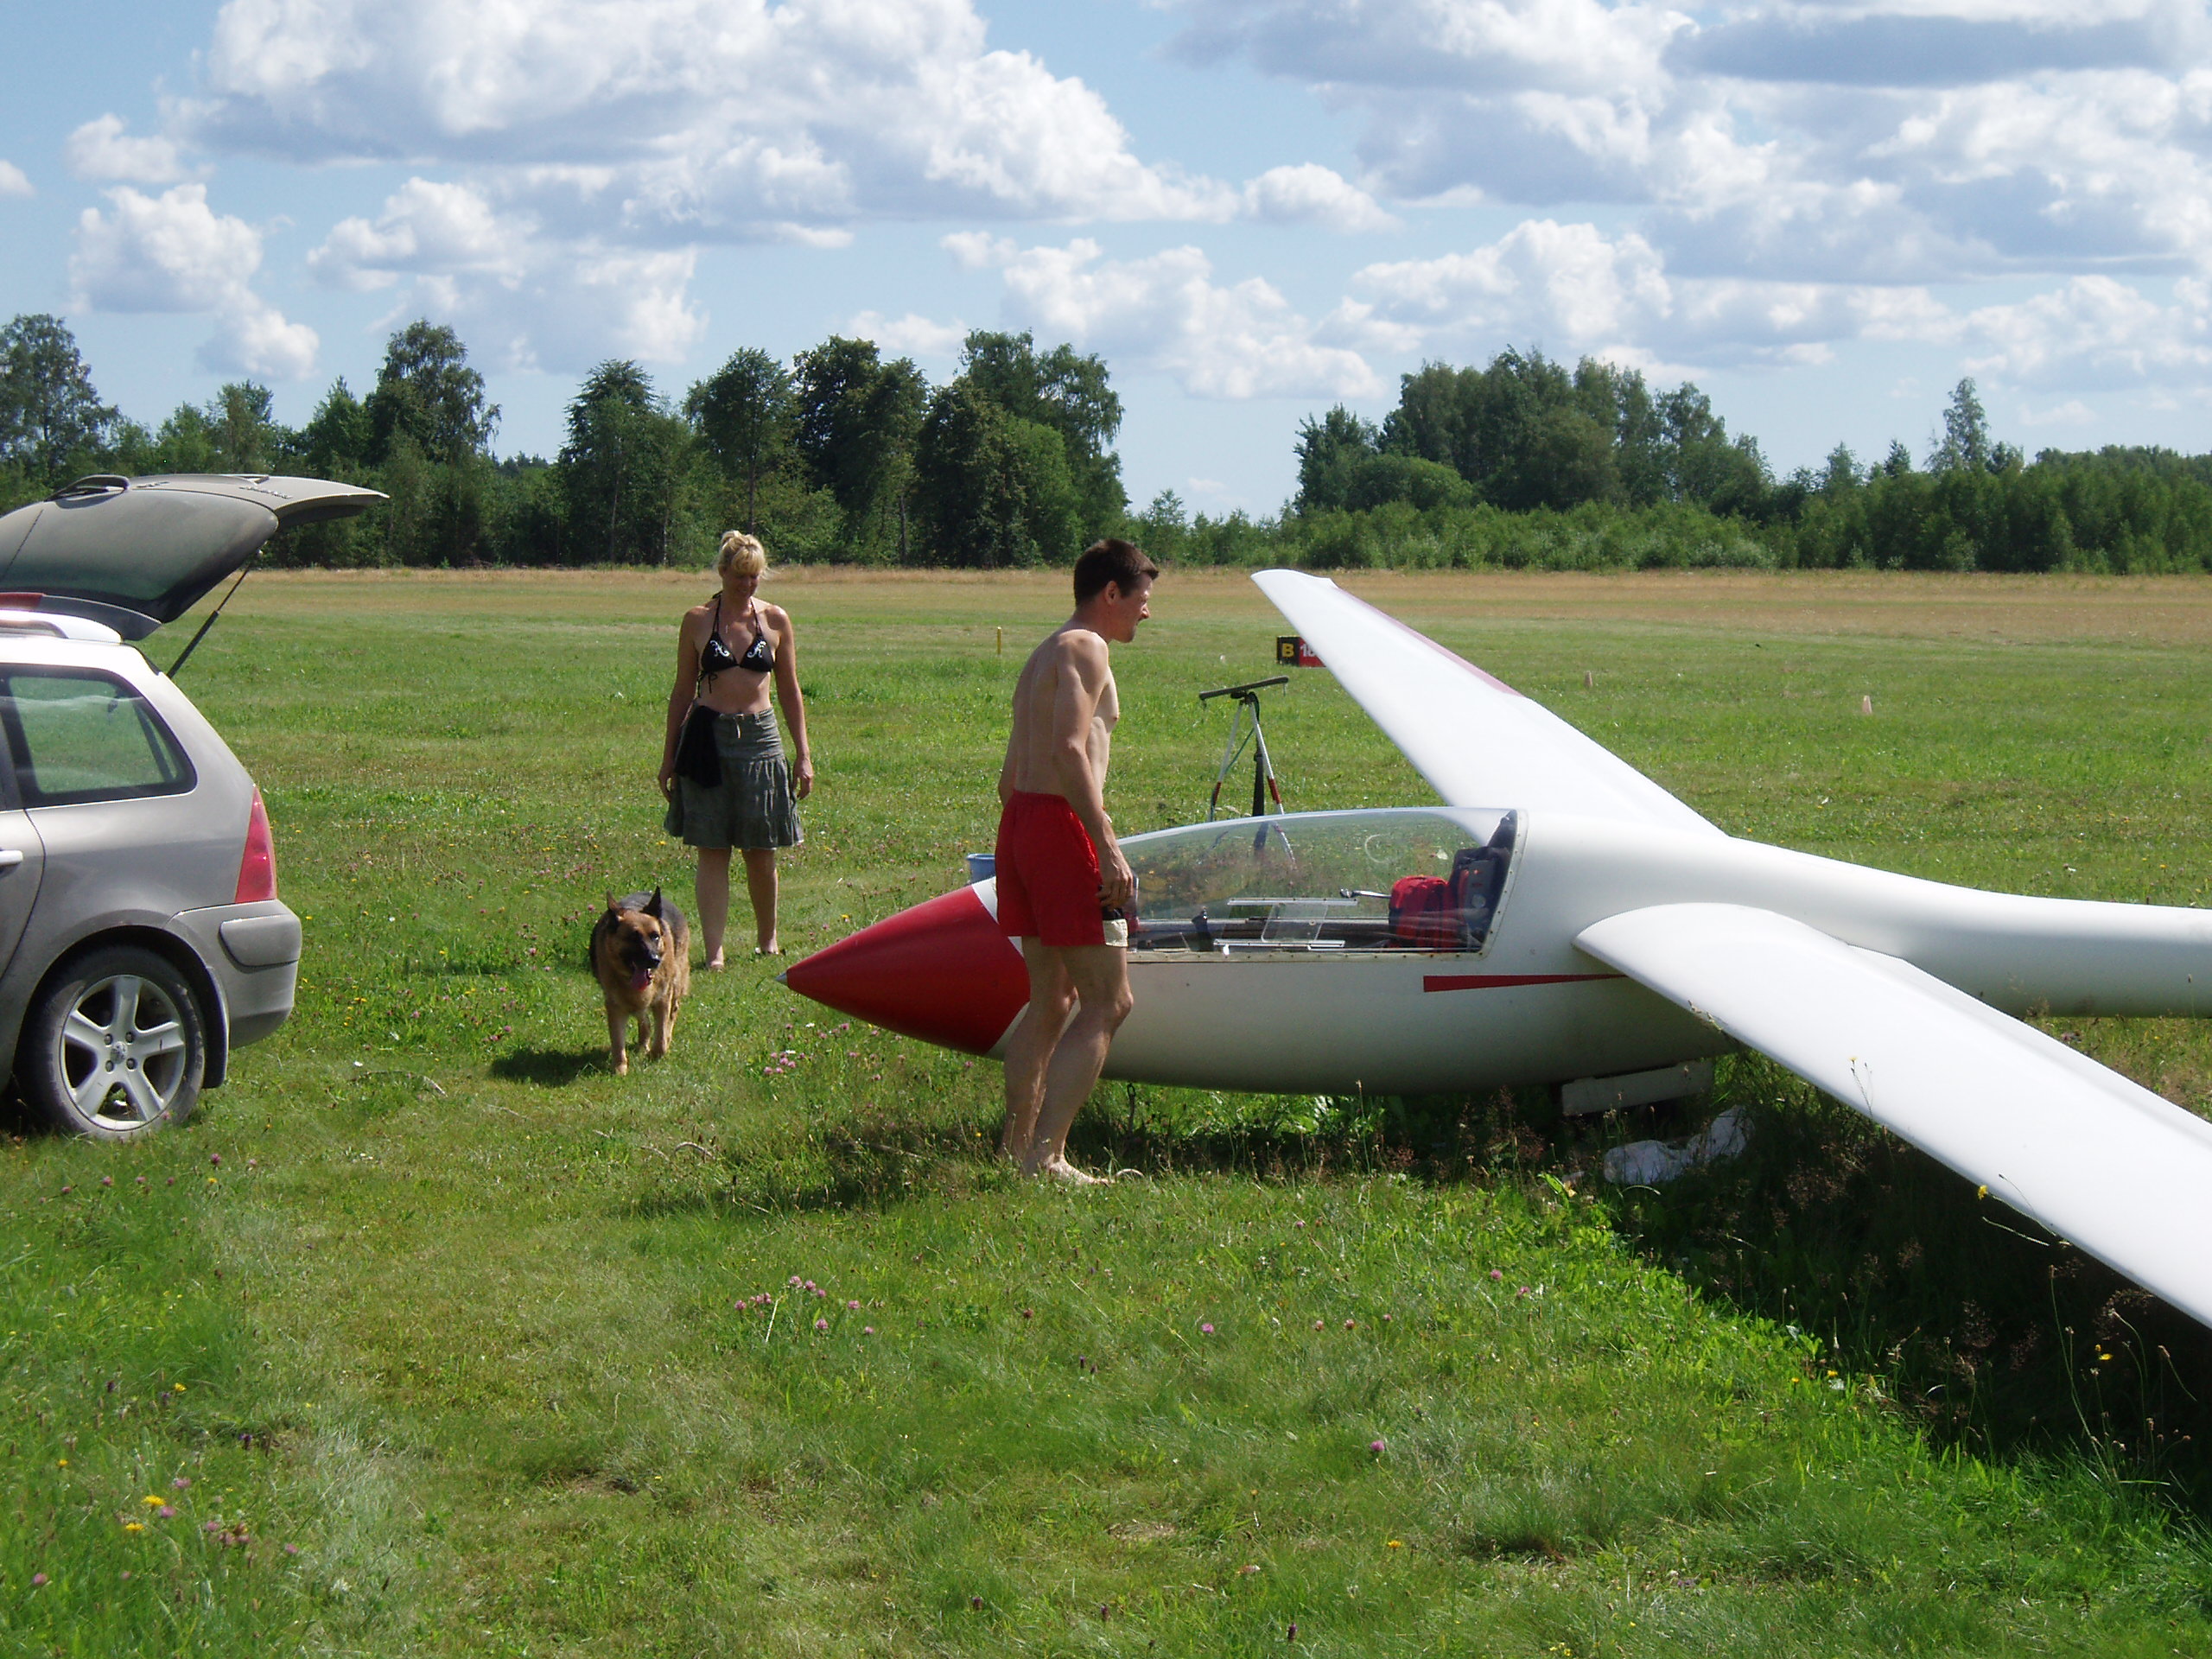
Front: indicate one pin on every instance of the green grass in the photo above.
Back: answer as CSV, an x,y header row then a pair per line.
x,y
508,1350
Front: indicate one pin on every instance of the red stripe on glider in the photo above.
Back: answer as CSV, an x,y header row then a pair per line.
x,y
1495,981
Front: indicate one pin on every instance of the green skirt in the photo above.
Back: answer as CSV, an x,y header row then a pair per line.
x,y
753,807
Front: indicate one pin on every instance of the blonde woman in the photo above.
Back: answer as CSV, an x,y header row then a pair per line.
x,y
722,764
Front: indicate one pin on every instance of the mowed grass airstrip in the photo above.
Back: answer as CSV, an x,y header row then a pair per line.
x,y
430,1336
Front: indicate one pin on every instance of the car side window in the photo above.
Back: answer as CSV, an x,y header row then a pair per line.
x,y
86,736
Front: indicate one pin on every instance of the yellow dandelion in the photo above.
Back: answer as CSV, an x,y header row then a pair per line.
x,y
134,1526
1396,1544
151,1501
176,1388
65,1463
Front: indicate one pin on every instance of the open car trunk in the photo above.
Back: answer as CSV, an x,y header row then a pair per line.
x,y
135,553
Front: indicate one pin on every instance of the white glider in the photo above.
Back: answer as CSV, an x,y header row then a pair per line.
x,y
1564,919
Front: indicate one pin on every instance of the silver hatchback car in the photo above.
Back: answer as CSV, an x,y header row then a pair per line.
x,y
141,936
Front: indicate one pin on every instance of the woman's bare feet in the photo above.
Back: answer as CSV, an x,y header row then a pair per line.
x,y
714,963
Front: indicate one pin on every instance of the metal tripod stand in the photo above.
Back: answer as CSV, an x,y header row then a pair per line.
x,y
1244,727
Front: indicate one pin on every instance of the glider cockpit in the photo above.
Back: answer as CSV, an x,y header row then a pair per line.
x,y
1393,879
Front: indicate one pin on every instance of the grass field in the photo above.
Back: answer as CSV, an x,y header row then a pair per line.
x,y
430,1336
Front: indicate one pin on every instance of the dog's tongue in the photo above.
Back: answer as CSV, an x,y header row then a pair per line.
x,y
639,980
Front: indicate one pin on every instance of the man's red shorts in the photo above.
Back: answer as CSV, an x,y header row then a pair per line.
x,y
1047,874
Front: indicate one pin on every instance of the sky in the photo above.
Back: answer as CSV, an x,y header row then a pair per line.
x,y
1824,214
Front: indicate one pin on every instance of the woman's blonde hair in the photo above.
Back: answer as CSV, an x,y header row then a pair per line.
x,y
742,554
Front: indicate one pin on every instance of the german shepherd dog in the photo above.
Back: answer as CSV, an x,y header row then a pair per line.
x,y
641,953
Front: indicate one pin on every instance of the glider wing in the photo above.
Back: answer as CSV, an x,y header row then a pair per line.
x,y
1478,741
2097,1160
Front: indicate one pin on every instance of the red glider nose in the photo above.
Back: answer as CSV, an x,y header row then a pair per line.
x,y
941,971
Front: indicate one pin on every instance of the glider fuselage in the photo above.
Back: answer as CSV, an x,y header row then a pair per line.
x,y
1531,1008
1285,989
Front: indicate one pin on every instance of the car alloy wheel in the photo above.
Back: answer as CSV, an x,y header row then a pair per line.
x,y
116,1045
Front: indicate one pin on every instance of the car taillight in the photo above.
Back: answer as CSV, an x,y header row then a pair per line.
x,y
257,869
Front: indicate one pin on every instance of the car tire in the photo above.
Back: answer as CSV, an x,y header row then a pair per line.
x,y
114,1045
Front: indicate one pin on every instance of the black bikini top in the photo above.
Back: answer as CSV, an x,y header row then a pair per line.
x,y
714,658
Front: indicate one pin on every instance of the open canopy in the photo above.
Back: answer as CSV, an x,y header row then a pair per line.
x,y
137,552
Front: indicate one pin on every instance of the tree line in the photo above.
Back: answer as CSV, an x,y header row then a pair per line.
x,y
1525,462
840,454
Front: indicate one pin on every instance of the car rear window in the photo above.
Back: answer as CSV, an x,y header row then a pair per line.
x,y
85,736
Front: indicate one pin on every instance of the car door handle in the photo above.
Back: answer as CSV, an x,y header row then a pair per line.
x,y
10,858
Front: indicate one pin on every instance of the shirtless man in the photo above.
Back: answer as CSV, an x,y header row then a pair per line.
x,y
1060,868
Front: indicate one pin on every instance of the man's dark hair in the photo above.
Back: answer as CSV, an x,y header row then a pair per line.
x,y
1110,559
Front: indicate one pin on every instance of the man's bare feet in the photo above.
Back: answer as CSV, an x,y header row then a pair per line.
x,y
1066,1173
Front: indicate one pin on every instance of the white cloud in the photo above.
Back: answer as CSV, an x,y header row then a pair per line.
x,y
1166,313
426,229
2095,331
911,334
173,252
979,250
1312,194
1573,289
583,305
712,120
170,253
1894,140
1563,281
536,301
256,338
2072,412
101,150
13,182
1471,46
